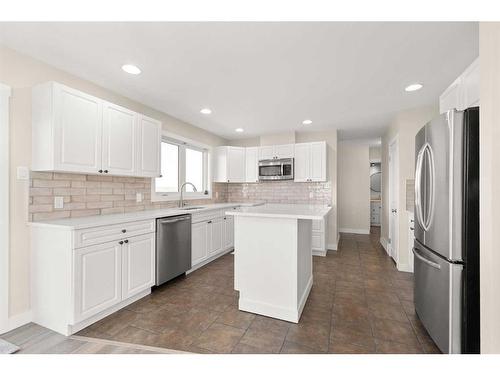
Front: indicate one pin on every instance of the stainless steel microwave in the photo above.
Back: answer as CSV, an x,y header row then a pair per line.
x,y
276,169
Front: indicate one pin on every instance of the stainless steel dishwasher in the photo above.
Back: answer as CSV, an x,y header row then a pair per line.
x,y
173,247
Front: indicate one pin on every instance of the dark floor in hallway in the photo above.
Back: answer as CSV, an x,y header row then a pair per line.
x,y
359,303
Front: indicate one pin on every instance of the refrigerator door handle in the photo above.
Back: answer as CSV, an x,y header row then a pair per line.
x,y
426,261
430,213
418,192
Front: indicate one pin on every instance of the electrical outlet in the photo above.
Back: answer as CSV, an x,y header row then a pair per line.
x,y
216,195
138,197
23,173
58,202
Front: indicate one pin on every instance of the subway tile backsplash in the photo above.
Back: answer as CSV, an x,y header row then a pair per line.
x,y
88,195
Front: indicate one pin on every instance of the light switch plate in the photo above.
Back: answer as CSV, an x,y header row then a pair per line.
x,y
23,173
138,197
58,202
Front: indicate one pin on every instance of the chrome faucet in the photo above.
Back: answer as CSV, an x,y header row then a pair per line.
x,y
181,201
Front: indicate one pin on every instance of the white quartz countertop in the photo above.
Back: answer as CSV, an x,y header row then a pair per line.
x,y
100,220
287,211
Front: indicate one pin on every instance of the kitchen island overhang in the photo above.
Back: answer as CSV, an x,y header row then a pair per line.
x,y
273,258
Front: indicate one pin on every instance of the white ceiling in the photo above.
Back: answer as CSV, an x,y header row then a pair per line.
x,y
263,77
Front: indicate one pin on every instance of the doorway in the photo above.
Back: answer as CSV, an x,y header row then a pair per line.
x,y
393,203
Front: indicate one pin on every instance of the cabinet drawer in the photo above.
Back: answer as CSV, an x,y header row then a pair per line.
x,y
206,216
92,236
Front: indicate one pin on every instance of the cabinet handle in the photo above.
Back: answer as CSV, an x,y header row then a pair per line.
x,y
100,170
209,222
126,241
227,180
105,171
224,218
124,231
121,242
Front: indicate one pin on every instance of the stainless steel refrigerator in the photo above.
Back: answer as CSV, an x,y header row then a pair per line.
x,y
446,250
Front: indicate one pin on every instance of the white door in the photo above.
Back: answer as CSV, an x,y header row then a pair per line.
x,y
98,280
199,242
251,162
302,162
228,232
236,164
284,151
215,233
393,200
78,131
266,152
149,143
318,162
119,140
138,264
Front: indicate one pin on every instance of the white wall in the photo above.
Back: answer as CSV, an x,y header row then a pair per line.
x,y
22,73
404,126
354,187
489,129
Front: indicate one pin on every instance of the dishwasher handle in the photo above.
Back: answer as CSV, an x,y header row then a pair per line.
x,y
170,221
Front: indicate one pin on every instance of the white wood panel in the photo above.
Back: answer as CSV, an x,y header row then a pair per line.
x,y
138,264
228,232
236,164
149,143
78,131
284,151
98,273
318,161
252,164
215,236
199,242
119,140
302,162
266,152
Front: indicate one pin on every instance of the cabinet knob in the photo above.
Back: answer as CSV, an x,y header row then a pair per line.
x,y
100,170
224,218
105,171
124,231
209,222
121,242
227,180
126,241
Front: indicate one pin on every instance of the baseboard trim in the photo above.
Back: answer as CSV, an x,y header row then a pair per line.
x,y
354,231
19,320
319,253
384,244
212,258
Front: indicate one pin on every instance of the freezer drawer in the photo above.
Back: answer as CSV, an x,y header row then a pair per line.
x,y
438,298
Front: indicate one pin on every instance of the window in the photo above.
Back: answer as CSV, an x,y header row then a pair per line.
x,y
182,161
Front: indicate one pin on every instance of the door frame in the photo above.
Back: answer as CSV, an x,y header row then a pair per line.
x,y
5,93
393,163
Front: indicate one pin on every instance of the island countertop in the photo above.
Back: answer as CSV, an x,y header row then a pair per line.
x,y
286,211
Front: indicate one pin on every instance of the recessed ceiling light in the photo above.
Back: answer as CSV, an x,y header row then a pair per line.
x,y
413,87
307,122
131,69
239,130
206,111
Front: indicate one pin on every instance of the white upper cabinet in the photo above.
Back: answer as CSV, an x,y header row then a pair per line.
x,y
230,164
149,143
119,140
276,152
463,92
310,162
251,162
76,132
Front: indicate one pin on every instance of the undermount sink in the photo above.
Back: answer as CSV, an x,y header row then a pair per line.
x,y
191,208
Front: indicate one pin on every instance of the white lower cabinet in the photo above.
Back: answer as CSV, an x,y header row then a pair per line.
x,y
318,237
212,235
74,285
98,273
138,264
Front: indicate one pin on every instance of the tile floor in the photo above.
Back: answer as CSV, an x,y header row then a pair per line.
x,y
359,303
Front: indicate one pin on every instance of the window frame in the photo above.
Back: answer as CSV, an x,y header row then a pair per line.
x,y
184,143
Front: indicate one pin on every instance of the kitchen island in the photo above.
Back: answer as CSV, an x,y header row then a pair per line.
x,y
273,258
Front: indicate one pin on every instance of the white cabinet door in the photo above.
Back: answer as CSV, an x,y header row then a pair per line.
x,y
215,233
199,242
98,271
302,162
318,162
148,149
284,151
138,264
266,152
236,164
78,131
228,232
251,162
119,140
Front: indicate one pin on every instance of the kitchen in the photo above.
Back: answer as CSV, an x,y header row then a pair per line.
x,y
153,233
